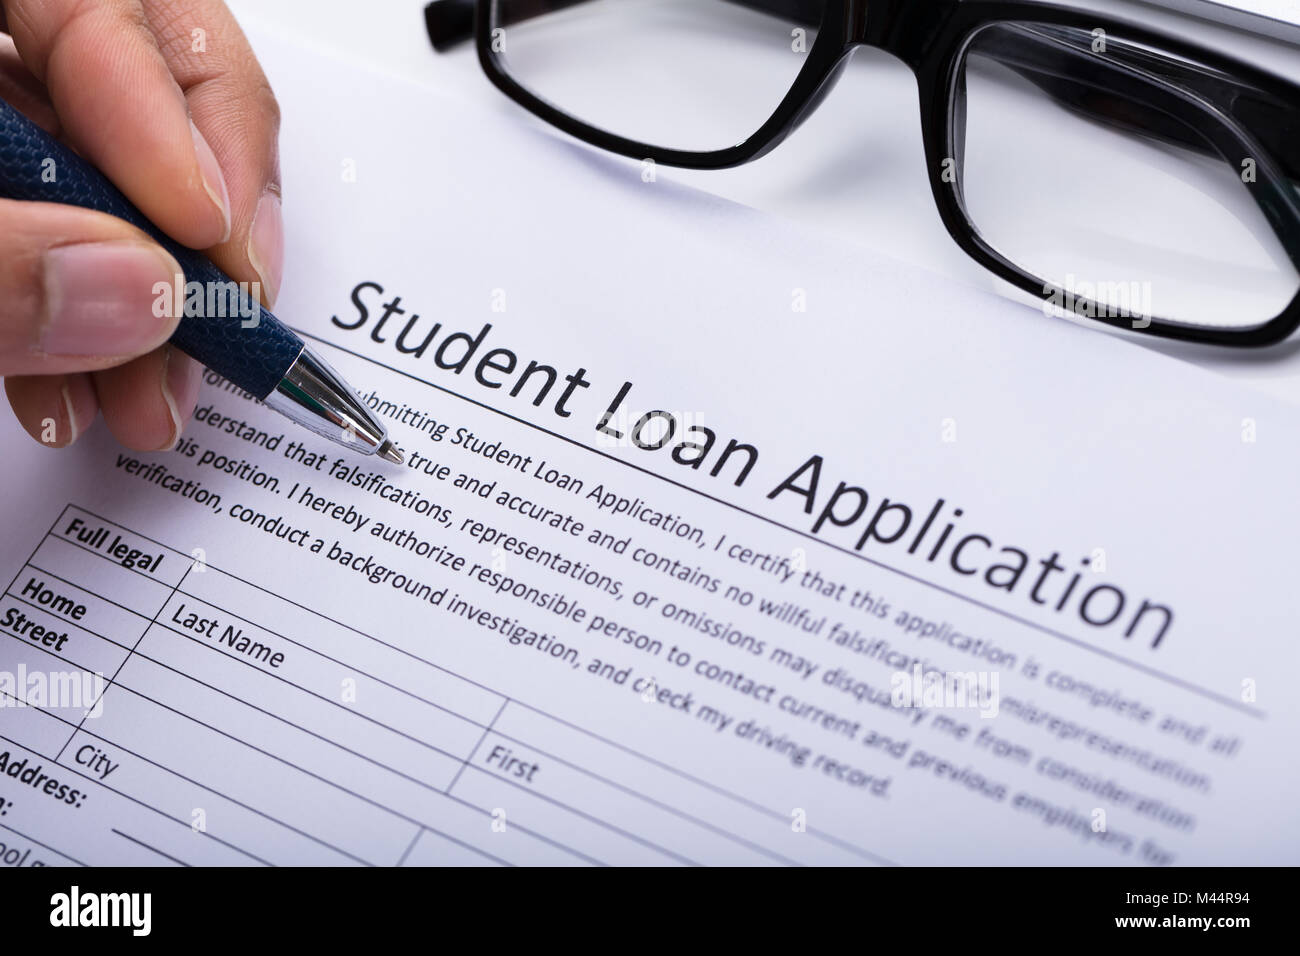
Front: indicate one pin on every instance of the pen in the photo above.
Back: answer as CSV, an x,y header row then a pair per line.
x,y
222,325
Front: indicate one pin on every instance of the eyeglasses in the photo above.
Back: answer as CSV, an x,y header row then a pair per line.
x,y
1116,173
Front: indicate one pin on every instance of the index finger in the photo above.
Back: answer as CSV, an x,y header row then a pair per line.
x,y
120,106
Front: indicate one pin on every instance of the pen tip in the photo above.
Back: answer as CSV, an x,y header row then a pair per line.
x,y
389,453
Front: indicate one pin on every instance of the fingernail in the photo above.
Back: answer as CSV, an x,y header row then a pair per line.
x,y
71,412
266,245
213,181
101,298
79,405
180,388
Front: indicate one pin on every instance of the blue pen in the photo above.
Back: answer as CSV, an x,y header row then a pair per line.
x,y
222,326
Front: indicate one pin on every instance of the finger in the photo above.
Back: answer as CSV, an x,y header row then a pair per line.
x,y
23,91
78,290
147,401
56,410
122,109
232,104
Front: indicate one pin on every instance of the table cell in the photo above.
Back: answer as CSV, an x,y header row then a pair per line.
x,y
121,547
45,643
124,587
20,850
499,837
220,828
380,655
434,849
28,728
742,816
624,807
41,591
576,832
430,760
58,685
246,770
295,666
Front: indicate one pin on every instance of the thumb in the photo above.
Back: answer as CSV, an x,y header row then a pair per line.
x,y
77,290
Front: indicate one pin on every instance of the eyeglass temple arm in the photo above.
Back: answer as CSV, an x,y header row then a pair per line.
x,y
1277,129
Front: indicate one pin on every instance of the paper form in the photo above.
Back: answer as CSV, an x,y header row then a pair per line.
x,y
715,545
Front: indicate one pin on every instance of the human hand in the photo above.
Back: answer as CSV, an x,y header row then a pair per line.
x,y
166,98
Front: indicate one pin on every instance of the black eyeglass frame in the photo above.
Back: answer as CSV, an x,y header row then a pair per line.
x,y
930,37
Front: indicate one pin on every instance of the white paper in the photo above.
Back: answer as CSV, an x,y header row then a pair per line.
x,y
268,704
